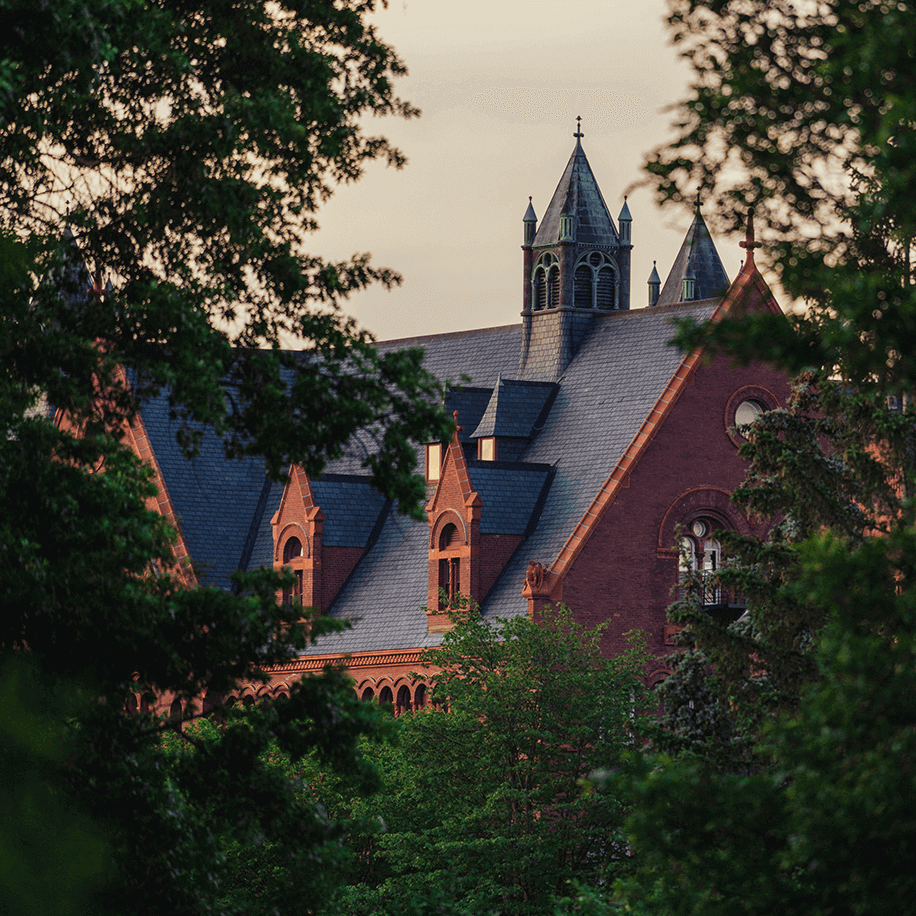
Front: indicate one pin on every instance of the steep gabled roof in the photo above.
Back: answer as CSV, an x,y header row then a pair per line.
x,y
698,257
578,195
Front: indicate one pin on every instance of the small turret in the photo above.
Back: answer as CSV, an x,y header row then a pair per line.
x,y
624,221
655,285
531,224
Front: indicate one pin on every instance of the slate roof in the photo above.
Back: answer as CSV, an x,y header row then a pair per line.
x,y
351,509
589,417
601,401
511,492
578,195
219,502
471,403
698,255
514,408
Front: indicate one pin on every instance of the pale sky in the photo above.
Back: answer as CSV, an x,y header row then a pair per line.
x,y
500,83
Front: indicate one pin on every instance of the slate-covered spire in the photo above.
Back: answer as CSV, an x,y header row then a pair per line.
x,y
531,223
698,263
578,195
655,285
625,220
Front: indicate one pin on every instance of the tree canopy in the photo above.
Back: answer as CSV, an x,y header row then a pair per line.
x,y
161,165
805,110
484,806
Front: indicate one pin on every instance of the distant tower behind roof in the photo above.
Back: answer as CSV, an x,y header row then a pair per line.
x,y
697,272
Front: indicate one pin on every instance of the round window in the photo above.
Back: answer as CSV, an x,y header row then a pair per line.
x,y
748,411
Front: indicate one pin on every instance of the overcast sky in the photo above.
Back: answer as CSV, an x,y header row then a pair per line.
x,y
500,84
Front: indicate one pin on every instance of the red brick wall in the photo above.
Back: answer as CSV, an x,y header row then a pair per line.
x,y
495,550
621,573
336,564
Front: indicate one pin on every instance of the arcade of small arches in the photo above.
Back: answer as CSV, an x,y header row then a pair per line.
x,y
404,695
595,283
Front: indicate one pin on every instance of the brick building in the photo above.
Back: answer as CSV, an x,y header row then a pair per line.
x,y
583,444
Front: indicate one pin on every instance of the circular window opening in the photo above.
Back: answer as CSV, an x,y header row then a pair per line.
x,y
748,411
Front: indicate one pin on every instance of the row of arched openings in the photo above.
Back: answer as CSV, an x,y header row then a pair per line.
x,y
404,700
595,283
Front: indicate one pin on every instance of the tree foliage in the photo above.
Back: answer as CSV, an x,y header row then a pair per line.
x,y
812,105
805,111
485,807
160,169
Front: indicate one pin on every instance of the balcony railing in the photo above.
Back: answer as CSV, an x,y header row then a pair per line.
x,y
712,596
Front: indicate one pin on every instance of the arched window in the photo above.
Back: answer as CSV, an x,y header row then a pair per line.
x,y
540,289
582,297
449,537
553,287
385,696
419,696
701,555
292,550
546,282
368,694
606,291
403,704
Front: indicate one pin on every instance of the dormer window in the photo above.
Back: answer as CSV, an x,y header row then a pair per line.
x,y
486,448
433,461
449,567
292,550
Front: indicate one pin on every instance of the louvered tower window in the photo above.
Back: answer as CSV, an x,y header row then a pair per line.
x,y
583,287
546,282
553,286
606,292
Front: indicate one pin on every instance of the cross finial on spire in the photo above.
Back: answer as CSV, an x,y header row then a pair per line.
x,y
750,243
578,134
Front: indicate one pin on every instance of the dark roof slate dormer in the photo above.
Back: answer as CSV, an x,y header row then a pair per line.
x,y
516,409
470,403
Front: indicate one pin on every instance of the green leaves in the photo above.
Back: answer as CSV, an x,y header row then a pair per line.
x,y
487,807
160,169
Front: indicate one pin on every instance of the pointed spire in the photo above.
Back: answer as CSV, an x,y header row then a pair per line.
x,y
624,220
697,266
655,284
578,197
749,243
531,222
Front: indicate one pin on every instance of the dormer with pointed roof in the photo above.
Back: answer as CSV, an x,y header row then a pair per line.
x,y
697,272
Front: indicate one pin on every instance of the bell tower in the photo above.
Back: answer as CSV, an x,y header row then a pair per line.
x,y
576,264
